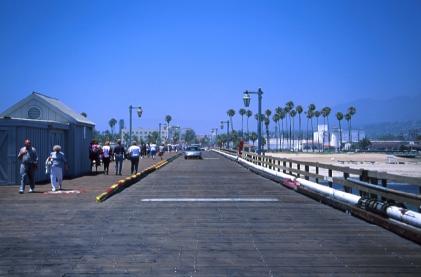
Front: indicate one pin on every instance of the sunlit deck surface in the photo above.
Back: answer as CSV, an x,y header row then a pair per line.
x,y
218,219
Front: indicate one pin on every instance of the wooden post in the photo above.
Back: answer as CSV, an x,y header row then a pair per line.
x,y
307,169
317,172
330,176
347,189
384,184
285,165
290,166
364,178
299,168
279,165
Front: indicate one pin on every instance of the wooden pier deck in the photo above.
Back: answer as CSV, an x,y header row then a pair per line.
x,y
208,217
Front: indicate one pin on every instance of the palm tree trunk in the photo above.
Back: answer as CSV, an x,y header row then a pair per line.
x,y
247,125
312,135
307,134
299,132
293,141
290,133
318,137
340,136
242,125
328,132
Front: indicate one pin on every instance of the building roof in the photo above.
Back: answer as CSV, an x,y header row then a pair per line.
x,y
54,103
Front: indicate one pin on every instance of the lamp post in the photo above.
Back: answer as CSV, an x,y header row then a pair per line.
x,y
228,130
246,99
139,112
214,132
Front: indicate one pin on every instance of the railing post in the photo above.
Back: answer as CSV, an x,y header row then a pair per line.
x,y
299,168
373,181
285,165
279,165
384,184
307,169
317,172
364,178
290,167
347,189
330,177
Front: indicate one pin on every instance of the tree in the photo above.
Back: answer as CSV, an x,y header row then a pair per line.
x,y
189,136
299,110
242,112
276,119
153,137
340,117
364,144
325,113
168,119
112,122
351,111
292,114
317,115
248,114
310,115
253,137
267,121
281,113
84,114
348,117
120,126
231,113
288,107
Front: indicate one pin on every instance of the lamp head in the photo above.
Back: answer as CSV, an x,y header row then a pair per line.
x,y
246,98
139,111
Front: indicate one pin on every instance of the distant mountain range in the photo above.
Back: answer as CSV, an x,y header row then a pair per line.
x,y
399,115
396,109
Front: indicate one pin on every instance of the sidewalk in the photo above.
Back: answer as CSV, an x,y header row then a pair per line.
x,y
83,188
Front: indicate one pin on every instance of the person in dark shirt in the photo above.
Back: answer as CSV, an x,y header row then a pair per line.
x,y
29,163
119,157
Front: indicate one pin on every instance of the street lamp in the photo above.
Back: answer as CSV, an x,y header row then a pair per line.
x,y
228,130
246,100
214,133
139,112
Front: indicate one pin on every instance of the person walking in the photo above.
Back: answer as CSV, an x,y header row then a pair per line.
x,y
119,157
134,153
58,164
153,151
143,150
161,151
106,156
29,163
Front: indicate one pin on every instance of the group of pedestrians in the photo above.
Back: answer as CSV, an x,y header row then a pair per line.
x,y
54,166
56,162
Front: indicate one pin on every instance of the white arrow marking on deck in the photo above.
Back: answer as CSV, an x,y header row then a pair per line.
x,y
210,200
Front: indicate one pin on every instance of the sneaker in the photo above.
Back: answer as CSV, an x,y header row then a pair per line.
x,y
31,190
53,190
21,192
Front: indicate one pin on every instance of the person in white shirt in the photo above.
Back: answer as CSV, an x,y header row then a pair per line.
x,y
134,153
106,156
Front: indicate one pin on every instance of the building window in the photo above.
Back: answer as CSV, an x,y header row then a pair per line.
x,y
34,113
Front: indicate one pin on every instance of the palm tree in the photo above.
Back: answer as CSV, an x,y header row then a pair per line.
x,y
317,115
310,115
253,137
267,121
293,113
288,107
280,111
242,112
351,111
326,112
339,117
168,119
84,114
231,113
112,122
348,117
248,114
276,117
299,110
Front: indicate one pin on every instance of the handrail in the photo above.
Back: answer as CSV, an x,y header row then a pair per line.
x,y
367,182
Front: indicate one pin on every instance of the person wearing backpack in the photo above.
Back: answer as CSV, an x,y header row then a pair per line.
x,y
106,156
134,153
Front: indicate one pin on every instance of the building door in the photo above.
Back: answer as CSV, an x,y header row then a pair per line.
x,y
4,159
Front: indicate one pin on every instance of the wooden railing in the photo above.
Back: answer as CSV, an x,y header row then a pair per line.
x,y
367,183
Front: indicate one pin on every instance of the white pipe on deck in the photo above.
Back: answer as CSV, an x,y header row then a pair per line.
x,y
410,217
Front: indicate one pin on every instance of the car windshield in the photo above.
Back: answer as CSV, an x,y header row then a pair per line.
x,y
193,148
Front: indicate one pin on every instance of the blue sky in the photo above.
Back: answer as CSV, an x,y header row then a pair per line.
x,y
193,59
